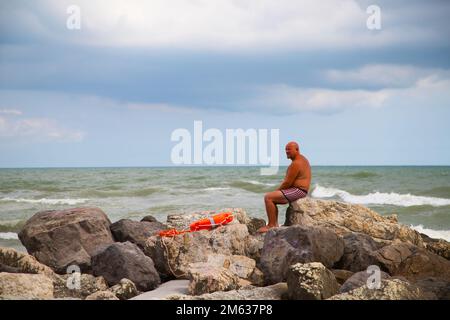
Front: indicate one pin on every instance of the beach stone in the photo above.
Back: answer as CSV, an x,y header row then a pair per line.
x,y
206,279
360,279
253,246
412,262
149,219
441,288
60,238
102,295
358,252
310,281
125,260
285,246
257,278
437,246
135,231
344,218
88,285
241,266
274,292
341,275
390,289
124,290
25,286
173,255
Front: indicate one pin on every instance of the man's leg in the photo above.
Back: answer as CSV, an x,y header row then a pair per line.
x,y
271,200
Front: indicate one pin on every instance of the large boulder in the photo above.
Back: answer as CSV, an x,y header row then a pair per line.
x,y
78,286
344,218
359,279
286,246
173,255
125,260
412,262
208,279
18,286
392,289
311,281
23,263
438,246
135,231
274,292
124,290
358,252
241,266
60,238
441,288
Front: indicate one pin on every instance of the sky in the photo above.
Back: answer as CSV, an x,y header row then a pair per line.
x,y
112,92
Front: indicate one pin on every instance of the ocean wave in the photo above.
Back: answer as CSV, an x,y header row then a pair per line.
x,y
260,183
380,198
252,186
144,192
46,201
216,188
9,236
435,234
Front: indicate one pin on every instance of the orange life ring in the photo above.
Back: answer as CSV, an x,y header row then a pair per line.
x,y
202,224
212,222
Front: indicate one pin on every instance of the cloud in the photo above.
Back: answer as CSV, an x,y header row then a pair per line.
x,y
11,112
228,25
384,75
37,129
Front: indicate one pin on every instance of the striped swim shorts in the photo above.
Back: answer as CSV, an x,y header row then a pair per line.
x,y
294,193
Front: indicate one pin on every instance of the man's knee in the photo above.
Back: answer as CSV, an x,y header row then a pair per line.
x,y
267,197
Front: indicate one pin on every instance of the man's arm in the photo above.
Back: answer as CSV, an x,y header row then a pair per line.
x,y
291,174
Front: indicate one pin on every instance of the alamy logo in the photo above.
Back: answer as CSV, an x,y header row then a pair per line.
x,y
374,280
74,280
229,151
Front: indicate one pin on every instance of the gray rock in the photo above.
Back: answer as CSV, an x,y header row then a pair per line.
x,y
124,290
126,260
61,238
358,252
311,281
273,292
149,219
394,289
134,231
441,288
207,279
286,246
359,279
341,275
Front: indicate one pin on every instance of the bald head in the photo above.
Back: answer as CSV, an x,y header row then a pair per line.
x,y
292,150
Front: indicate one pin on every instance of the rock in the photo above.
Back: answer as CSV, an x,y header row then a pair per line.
x,y
62,238
253,246
134,231
437,246
310,281
173,255
124,290
393,289
286,246
359,279
358,252
344,218
25,286
412,262
273,292
102,295
88,284
254,224
441,288
149,219
257,278
182,221
5,268
125,260
23,263
341,275
241,266
207,279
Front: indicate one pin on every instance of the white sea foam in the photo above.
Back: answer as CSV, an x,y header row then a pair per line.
x,y
216,188
8,236
260,183
380,198
47,201
436,234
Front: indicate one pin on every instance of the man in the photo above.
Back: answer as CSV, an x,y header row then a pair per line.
x,y
295,185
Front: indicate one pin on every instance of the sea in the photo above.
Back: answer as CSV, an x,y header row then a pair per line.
x,y
419,195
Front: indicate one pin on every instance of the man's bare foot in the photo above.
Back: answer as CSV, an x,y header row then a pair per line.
x,y
265,228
